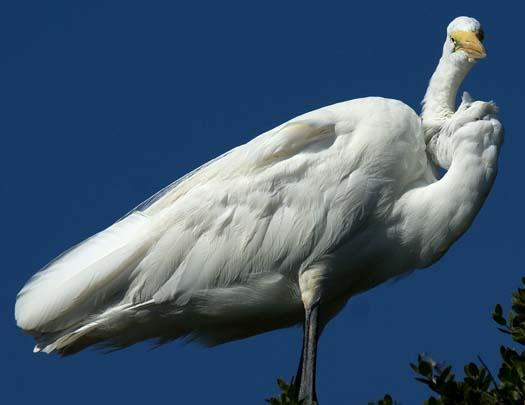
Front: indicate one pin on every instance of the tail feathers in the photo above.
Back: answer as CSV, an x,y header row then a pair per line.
x,y
67,340
103,327
86,279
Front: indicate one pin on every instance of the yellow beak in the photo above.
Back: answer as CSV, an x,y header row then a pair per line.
x,y
469,43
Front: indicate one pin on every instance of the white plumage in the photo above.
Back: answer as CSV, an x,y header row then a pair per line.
x,y
321,208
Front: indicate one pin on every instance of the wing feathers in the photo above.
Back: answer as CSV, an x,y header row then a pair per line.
x,y
79,282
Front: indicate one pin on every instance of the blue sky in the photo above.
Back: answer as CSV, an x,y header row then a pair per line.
x,y
104,103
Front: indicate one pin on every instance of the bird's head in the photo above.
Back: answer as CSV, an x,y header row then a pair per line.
x,y
464,40
462,49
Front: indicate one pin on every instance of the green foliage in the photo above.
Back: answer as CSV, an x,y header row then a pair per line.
x,y
288,394
478,386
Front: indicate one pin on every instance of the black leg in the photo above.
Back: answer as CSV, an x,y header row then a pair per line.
x,y
297,381
308,359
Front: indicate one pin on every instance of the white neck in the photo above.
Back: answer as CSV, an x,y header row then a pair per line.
x,y
436,215
439,102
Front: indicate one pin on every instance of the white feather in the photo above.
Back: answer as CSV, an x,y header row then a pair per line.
x,y
82,280
324,206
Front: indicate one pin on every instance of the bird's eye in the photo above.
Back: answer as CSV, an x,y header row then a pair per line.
x,y
481,35
452,39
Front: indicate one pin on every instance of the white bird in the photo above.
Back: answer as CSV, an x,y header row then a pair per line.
x,y
303,217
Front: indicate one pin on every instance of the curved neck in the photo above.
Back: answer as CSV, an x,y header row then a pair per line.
x,y
439,102
435,215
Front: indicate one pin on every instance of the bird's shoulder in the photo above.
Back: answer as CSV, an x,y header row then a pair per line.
x,y
373,119
374,111
307,139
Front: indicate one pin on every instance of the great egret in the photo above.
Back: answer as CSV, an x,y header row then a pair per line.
x,y
303,217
